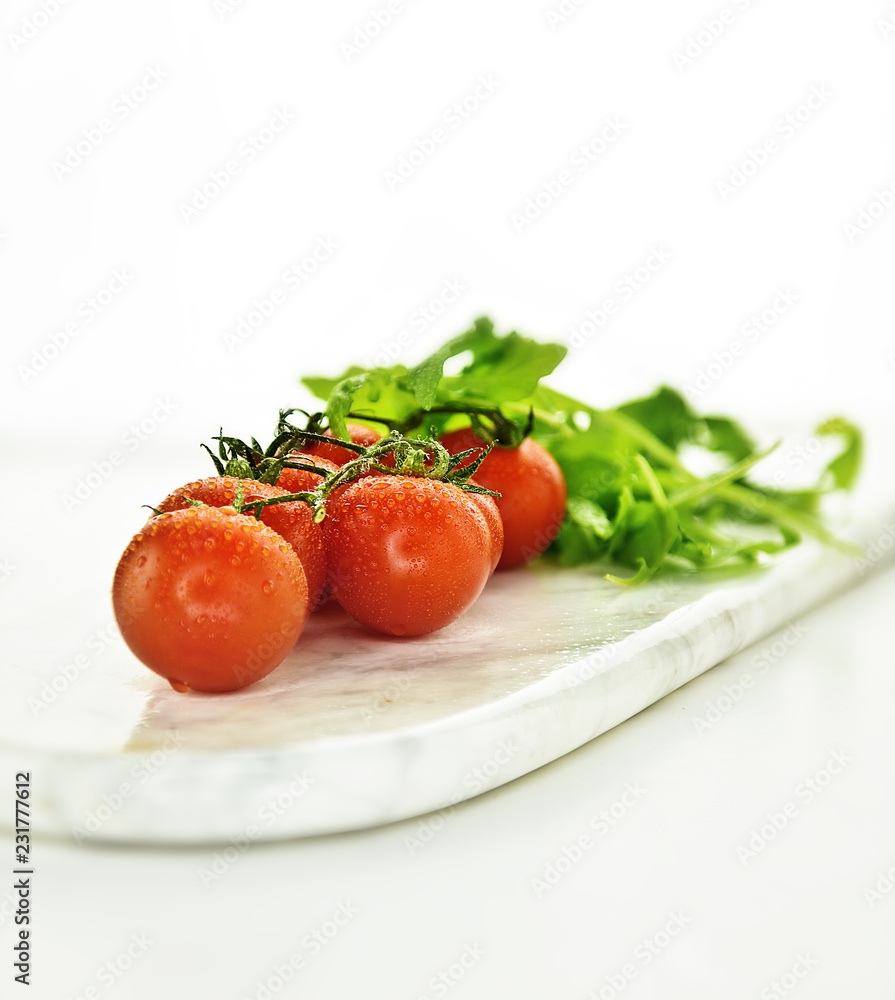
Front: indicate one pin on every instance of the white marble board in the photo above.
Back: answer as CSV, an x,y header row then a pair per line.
x,y
357,729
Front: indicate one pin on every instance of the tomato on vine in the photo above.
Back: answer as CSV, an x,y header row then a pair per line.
x,y
211,599
293,520
406,555
488,506
358,433
302,480
532,493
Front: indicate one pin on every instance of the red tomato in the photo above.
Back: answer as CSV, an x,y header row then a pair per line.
x,y
533,493
356,432
293,520
299,481
210,599
488,506
405,555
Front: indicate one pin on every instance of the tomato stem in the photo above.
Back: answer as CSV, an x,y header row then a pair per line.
x,y
422,458
502,430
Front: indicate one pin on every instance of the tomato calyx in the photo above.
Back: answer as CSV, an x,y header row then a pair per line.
x,y
492,426
240,504
313,432
424,458
250,461
489,422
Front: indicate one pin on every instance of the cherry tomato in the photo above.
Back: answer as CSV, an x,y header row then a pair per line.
x,y
293,520
405,555
210,599
488,506
533,493
299,481
335,453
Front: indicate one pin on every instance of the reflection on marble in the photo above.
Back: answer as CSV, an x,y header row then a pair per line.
x,y
357,729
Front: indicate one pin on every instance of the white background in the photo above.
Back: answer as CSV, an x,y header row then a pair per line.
x,y
161,367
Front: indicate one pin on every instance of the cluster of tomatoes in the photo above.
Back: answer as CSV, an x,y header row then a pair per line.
x,y
215,590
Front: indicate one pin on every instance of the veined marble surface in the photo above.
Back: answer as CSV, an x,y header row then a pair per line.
x,y
357,729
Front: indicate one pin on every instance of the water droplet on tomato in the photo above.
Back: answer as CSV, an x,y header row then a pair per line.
x,y
179,685
267,586
209,544
141,561
209,578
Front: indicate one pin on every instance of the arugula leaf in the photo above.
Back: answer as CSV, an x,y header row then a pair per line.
x,y
322,387
725,435
590,515
503,369
843,469
424,379
666,414
649,529
341,400
584,534
632,499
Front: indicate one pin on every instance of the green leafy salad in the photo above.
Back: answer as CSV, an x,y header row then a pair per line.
x,y
633,499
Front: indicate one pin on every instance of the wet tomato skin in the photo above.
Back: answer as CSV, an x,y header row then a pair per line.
x,y
488,506
533,493
405,555
357,433
300,481
293,520
210,599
